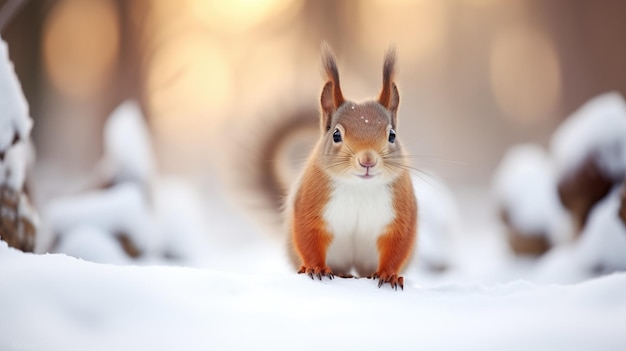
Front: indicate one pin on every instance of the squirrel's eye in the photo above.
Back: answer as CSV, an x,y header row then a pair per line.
x,y
337,136
392,135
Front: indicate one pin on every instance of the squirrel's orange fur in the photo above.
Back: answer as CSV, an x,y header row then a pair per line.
x,y
353,208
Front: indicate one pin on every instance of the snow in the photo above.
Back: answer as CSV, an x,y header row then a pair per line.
x,y
16,151
181,219
245,296
56,302
160,216
14,120
597,129
171,226
121,209
437,221
525,185
14,117
93,244
600,249
127,144
603,241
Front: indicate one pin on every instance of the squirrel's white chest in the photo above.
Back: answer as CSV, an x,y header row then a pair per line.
x,y
357,215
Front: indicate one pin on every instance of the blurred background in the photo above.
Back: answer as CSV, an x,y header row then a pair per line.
x,y
476,75
211,77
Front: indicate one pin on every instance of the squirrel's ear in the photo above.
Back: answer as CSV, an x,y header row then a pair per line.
x,y
332,97
328,105
389,96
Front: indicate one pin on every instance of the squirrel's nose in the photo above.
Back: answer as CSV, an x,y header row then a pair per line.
x,y
367,159
367,162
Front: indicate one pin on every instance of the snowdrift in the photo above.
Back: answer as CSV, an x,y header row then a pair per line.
x,y
56,302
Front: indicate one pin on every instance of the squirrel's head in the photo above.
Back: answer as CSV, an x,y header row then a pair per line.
x,y
359,139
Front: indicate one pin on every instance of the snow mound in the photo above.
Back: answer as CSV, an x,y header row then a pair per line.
x,y
93,244
599,250
121,209
437,220
55,302
127,144
130,211
525,185
170,228
14,119
597,129
18,219
602,245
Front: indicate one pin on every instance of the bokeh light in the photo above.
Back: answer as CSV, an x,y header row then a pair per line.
x,y
525,74
81,46
189,84
418,28
238,16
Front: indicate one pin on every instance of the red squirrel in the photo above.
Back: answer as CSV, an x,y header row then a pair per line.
x,y
353,207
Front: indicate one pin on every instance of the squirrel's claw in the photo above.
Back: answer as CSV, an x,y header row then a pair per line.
x,y
393,279
318,272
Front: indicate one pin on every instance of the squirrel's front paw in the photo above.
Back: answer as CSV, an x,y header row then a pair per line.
x,y
317,271
393,279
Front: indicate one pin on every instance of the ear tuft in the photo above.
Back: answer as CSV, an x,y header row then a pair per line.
x,y
332,97
389,96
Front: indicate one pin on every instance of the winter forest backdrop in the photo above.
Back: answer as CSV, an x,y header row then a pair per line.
x,y
145,147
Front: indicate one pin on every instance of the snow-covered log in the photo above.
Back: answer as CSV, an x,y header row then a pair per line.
x,y
18,220
589,150
525,189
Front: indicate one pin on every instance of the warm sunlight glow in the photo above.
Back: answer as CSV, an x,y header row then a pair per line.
x,y
189,85
481,3
81,45
418,28
525,74
239,15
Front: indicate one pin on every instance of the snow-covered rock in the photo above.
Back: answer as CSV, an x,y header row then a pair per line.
x,y
18,218
13,167
14,117
525,188
589,150
122,209
600,249
170,227
130,207
602,245
120,205
597,129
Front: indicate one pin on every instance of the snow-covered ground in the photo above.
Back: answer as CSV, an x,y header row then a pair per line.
x,y
243,296
56,302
